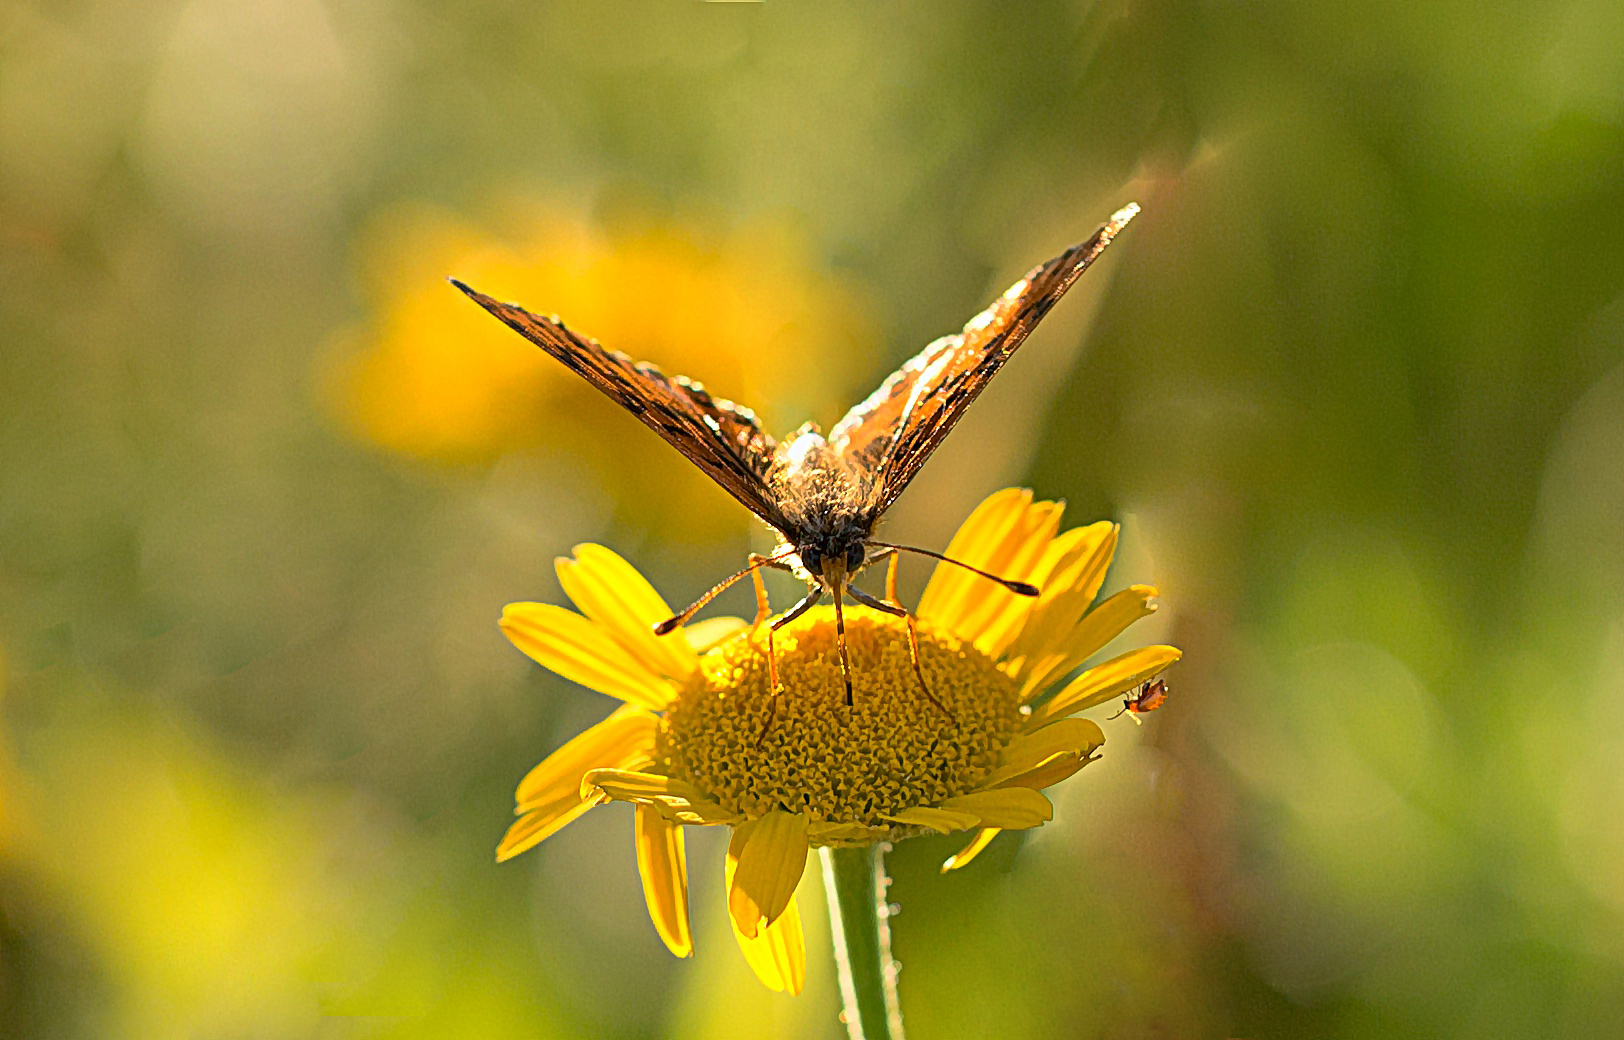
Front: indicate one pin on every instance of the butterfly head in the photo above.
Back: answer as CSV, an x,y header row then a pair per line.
x,y
832,562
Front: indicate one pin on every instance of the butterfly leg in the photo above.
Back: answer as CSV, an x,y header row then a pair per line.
x,y
913,628
895,601
772,668
897,610
764,608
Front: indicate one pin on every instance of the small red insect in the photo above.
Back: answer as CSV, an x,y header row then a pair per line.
x,y
1149,698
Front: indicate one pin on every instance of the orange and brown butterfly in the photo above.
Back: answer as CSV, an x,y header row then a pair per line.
x,y
824,495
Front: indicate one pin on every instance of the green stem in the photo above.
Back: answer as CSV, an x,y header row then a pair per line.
x,y
855,882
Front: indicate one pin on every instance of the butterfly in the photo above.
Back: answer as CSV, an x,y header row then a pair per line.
x,y
824,494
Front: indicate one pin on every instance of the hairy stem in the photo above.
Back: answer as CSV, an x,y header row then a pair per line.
x,y
855,881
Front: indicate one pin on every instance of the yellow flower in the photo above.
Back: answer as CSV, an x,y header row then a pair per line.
x,y
702,740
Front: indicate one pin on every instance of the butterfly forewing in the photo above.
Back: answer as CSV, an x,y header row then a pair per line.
x,y
888,437
719,437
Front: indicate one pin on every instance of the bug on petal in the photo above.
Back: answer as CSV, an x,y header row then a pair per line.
x,y
1151,695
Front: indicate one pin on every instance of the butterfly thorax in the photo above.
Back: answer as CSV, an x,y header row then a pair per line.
x,y
821,500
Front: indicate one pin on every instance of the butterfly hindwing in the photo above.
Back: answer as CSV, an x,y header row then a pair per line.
x,y
719,437
888,437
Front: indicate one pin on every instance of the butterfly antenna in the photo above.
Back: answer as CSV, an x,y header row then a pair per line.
x,y
671,624
1020,588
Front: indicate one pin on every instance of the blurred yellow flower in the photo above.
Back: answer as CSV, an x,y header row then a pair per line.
x,y
213,901
701,738
746,311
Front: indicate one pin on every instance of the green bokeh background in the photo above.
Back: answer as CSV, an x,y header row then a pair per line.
x,y
1353,382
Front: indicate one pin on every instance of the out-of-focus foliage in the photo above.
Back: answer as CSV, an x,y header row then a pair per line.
x,y
1354,382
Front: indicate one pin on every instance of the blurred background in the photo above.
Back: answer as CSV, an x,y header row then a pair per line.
x,y
1353,383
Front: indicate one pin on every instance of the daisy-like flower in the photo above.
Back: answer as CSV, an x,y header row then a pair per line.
x,y
702,739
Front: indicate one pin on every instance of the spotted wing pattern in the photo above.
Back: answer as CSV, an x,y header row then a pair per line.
x,y
888,437
720,437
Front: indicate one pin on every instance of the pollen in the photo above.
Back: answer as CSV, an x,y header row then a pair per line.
x,y
804,750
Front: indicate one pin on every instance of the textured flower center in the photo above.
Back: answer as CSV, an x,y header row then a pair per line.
x,y
892,750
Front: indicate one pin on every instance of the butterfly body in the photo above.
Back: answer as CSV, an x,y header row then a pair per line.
x,y
817,489
824,495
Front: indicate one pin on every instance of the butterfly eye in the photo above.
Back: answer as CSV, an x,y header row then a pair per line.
x,y
812,560
854,558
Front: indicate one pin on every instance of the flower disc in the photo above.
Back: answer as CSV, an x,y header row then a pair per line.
x,y
805,751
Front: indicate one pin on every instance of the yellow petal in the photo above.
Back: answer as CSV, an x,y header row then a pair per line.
x,y
970,851
582,651
1008,808
1057,767
1001,630
1103,682
713,632
697,811
1082,567
611,592
768,856
1098,627
1027,751
1015,557
1110,619
630,785
626,734
551,794
944,820
664,867
777,952
826,832
677,800
986,527
1066,596
542,822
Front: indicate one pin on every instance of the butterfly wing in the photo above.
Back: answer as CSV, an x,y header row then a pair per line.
x,y
888,437
720,437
